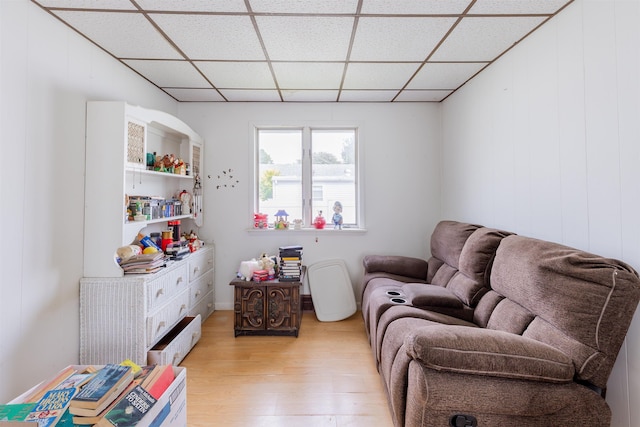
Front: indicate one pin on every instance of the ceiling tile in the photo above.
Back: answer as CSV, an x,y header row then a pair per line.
x,y
114,31
398,39
422,95
307,38
484,39
169,73
444,75
238,75
89,4
212,37
367,95
378,76
186,95
310,95
422,7
304,6
309,75
516,6
238,95
194,5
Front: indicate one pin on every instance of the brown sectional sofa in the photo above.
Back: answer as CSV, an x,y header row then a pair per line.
x,y
497,329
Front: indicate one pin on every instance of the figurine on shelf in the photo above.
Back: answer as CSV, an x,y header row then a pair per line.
x,y
281,222
319,222
337,215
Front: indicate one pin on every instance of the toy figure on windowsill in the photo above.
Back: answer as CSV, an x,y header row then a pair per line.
x,y
319,221
337,215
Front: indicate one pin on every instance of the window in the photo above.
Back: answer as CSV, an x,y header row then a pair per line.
x,y
304,171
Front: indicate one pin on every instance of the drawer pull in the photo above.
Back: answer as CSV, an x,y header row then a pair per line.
x,y
194,338
160,326
179,280
210,284
198,293
196,269
182,307
176,359
160,292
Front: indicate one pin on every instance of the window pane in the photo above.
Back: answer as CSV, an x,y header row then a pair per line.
x,y
333,170
280,172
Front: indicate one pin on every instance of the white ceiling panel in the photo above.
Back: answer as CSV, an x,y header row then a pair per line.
x,y
305,50
308,75
237,95
378,76
444,75
398,39
194,5
169,73
212,37
238,75
508,7
310,95
195,95
307,38
421,7
114,31
484,39
367,95
88,4
304,6
423,95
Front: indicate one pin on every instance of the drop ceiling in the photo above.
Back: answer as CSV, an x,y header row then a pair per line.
x,y
305,50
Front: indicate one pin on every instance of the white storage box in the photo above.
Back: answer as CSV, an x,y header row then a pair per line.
x,y
169,411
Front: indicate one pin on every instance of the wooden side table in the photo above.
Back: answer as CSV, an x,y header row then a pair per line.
x,y
267,308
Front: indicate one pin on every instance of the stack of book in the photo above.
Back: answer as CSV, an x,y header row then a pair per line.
x,y
114,395
144,263
290,263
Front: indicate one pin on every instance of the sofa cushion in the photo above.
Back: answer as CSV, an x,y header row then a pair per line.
x,y
487,352
447,240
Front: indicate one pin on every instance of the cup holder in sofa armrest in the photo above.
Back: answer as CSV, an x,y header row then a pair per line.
x,y
394,294
398,300
422,295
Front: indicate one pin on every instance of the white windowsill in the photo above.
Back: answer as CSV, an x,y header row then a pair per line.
x,y
329,230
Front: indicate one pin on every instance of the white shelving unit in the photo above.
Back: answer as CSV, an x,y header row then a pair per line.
x,y
118,137
144,317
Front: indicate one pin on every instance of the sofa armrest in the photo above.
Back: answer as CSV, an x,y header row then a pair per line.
x,y
478,351
396,265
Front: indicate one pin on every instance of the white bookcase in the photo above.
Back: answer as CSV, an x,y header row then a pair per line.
x,y
149,317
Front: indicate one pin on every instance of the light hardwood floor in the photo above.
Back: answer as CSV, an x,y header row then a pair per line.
x,y
324,378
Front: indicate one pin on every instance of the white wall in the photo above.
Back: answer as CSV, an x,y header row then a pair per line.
x,y
545,143
47,74
399,150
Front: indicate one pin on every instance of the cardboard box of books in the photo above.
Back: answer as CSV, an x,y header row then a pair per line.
x,y
157,397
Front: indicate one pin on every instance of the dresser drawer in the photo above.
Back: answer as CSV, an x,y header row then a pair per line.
x,y
163,288
159,322
175,345
200,287
204,307
199,263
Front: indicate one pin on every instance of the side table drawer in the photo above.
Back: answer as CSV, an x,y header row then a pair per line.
x,y
175,345
159,323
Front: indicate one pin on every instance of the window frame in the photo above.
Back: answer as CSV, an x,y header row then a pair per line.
x,y
307,168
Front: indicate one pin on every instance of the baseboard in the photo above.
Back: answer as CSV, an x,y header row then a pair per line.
x,y
307,303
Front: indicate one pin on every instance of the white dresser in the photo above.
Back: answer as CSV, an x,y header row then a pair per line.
x,y
146,318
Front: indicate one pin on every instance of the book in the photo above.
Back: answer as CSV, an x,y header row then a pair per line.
x,y
51,407
16,411
94,419
159,382
129,410
105,386
37,394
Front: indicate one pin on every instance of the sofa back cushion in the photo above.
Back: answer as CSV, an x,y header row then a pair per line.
x,y
575,301
461,259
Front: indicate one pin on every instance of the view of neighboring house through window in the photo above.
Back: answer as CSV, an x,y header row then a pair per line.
x,y
307,170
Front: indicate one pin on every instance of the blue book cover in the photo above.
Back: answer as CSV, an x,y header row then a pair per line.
x,y
102,383
51,407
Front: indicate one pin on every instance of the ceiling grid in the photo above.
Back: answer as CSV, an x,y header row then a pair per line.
x,y
305,50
